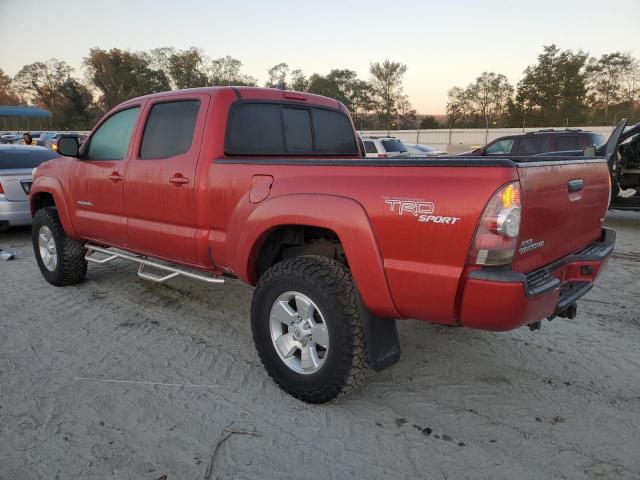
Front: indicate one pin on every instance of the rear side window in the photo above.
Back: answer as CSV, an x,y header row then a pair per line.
x,y
111,140
531,146
334,135
28,157
597,139
394,146
169,129
370,147
567,142
282,129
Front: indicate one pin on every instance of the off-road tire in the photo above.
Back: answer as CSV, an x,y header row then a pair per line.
x,y
71,267
330,285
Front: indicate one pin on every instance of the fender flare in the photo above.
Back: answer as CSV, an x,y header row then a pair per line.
x,y
53,187
344,216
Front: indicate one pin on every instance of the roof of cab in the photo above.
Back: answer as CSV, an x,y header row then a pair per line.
x,y
250,93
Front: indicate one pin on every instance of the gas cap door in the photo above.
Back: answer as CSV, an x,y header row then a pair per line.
x,y
260,188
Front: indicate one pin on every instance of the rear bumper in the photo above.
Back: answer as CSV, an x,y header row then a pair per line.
x,y
503,300
13,214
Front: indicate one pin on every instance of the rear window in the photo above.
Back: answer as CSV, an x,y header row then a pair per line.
x,y
283,129
531,146
169,129
567,142
393,146
370,147
12,158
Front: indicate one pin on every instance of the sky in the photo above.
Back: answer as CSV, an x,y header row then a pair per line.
x,y
443,43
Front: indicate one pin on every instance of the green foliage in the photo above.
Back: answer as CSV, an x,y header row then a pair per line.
x,y
429,122
553,92
186,69
7,94
278,76
227,71
386,79
120,75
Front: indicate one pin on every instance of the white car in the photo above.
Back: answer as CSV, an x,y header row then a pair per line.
x,y
384,147
419,150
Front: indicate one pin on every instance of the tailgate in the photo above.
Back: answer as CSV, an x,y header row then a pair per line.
x,y
564,203
16,185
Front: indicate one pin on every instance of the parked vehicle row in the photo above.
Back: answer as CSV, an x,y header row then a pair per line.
x,y
392,147
270,186
16,165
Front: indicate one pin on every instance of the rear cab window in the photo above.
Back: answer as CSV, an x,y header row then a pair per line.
x,y
286,129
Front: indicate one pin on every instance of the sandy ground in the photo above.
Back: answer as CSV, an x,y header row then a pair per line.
x,y
121,378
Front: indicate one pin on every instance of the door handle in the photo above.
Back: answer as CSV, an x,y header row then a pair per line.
x,y
178,179
575,185
115,177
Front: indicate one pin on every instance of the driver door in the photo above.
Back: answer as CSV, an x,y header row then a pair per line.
x,y
97,193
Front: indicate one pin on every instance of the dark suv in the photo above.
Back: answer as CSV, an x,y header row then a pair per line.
x,y
542,141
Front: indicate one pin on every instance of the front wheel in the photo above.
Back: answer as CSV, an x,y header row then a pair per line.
x,y
60,259
307,327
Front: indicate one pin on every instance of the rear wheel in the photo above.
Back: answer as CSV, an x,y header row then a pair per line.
x,y
60,259
307,327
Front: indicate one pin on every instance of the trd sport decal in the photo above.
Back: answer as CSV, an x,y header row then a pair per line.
x,y
422,209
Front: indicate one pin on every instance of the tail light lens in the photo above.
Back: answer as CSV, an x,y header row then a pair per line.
x,y
497,234
383,155
1,190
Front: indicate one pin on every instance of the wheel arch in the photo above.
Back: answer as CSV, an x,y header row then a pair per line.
x,y
345,224
48,192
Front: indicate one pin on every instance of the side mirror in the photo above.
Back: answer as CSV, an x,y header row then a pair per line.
x,y
589,151
68,146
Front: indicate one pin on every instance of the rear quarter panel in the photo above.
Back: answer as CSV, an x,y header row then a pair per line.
x,y
422,261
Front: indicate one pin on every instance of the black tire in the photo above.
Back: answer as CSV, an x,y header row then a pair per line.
x,y
71,266
330,286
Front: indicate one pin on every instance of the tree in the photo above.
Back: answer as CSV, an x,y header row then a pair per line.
x,y
490,95
554,91
7,95
630,90
386,79
278,76
606,76
78,111
299,82
227,71
120,75
186,69
459,106
41,82
429,122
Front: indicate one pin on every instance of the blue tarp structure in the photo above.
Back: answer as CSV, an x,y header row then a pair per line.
x,y
20,111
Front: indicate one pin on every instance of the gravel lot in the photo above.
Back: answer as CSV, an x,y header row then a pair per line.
x,y
121,378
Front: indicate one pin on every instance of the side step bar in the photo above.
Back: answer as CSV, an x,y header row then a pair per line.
x,y
172,272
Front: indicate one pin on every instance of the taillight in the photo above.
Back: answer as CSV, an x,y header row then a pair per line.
x,y
497,234
383,155
1,190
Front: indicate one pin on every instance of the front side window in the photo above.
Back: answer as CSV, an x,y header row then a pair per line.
x,y
111,140
283,129
503,147
169,129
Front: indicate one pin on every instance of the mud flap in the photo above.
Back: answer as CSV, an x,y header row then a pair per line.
x,y
381,338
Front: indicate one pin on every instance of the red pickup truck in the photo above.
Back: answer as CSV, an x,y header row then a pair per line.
x,y
271,187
